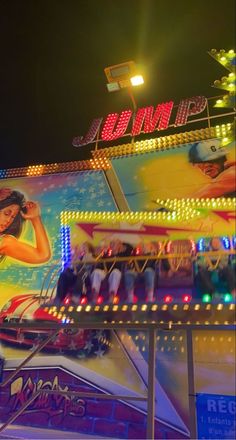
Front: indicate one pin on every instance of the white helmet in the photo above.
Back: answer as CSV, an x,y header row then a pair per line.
x,y
206,151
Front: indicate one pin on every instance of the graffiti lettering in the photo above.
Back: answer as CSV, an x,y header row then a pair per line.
x,y
56,404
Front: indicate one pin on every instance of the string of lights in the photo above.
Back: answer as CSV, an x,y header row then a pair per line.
x,y
100,160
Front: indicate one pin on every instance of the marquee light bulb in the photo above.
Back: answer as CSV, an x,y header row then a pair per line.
x,y
168,299
228,297
206,298
186,298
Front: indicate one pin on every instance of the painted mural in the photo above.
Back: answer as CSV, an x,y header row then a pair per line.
x,y
124,370
31,244
199,170
160,235
106,362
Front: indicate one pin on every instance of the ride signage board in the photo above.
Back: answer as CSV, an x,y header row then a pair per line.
x,y
146,120
216,416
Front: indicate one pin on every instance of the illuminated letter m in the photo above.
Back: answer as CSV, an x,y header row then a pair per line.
x,y
145,115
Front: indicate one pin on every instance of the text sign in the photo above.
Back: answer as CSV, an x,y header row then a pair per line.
x,y
216,416
146,120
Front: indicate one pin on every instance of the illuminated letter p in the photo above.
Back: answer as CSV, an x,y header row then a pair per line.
x,y
189,107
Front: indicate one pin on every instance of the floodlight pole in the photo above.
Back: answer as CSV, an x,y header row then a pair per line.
x,y
131,95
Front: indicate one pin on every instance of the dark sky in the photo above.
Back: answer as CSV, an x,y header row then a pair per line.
x,y
53,54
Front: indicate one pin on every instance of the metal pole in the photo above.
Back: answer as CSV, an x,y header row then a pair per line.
x,y
191,386
151,385
26,360
20,410
97,139
66,393
130,92
208,115
173,125
131,95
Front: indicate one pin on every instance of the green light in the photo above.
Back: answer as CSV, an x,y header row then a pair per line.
x,y
228,297
206,298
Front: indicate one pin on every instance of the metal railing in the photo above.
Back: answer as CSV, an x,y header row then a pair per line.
x,y
152,329
49,282
150,398
175,260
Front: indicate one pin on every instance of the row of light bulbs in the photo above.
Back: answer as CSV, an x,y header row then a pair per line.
x,y
97,163
181,208
169,306
101,157
165,142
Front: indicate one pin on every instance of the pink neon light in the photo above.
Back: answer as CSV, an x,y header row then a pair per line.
x,y
116,124
168,299
186,298
145,115
189,107
90,136
109,132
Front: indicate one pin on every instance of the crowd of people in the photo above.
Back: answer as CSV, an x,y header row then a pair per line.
x,y
115,263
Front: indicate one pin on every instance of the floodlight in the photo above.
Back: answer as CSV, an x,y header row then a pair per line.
x,y
113,87
121,71
123,76
136,80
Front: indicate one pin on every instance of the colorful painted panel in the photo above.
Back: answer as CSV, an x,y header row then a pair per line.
x,y
123,370
199,170
181,244
30,208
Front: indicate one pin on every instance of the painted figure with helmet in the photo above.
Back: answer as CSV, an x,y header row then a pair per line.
x,y
211,159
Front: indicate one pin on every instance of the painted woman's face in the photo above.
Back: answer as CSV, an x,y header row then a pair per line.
x,y
7,216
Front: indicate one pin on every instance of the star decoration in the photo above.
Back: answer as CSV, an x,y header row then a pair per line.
x,y
99,353
72,345
99,334
101,203
34,347
88,346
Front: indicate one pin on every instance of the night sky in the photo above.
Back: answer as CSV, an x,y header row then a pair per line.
x,y
53,55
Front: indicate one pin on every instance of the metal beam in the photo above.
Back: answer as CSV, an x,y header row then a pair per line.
x,y
116,190
151,385
66,393
191,385
26,360
117,325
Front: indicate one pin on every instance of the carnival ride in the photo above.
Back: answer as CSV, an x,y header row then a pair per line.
x,y
34,319
177,299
